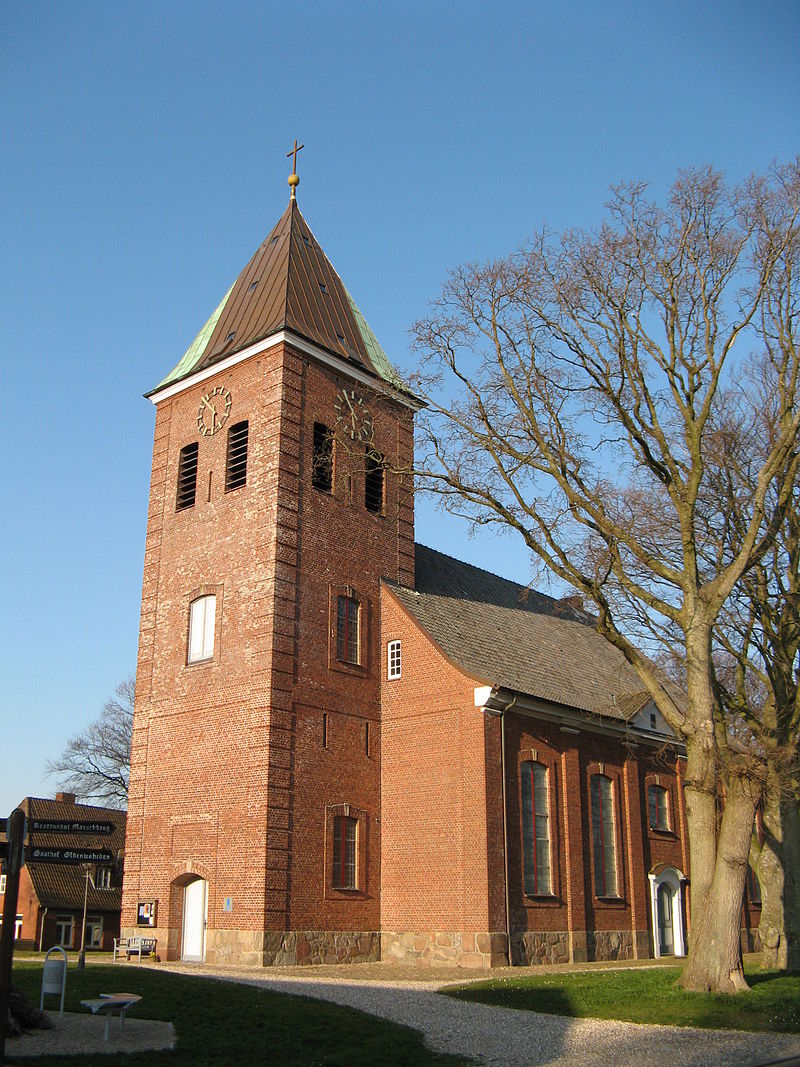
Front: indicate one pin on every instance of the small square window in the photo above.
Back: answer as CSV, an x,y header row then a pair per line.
x,y
102,878
393,656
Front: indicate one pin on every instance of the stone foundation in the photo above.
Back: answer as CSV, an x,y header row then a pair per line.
x,y
609,944
537,946
445,948
259,948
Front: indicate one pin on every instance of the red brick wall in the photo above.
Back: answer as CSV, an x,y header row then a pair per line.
x,y
228,777
434,791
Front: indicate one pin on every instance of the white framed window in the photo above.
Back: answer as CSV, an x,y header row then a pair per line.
x,y
64,930
393,659
202,613
2,883
94,931
102,878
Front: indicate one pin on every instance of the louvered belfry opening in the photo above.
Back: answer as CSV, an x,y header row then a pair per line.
x,y
373,482
236,463
322,471
187,477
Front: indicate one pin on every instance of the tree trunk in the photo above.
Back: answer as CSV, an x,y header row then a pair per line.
x,y
778,871
715,956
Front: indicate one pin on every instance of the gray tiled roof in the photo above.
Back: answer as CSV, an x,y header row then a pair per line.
x,y
506,635
63,886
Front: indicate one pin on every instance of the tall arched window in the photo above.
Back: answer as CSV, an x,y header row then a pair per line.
x,y
604,836
535,829
202,613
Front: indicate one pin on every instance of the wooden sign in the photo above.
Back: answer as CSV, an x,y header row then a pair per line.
x,y
69,826
39,854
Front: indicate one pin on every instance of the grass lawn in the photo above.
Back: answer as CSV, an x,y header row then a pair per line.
x,y
646,996
224,1023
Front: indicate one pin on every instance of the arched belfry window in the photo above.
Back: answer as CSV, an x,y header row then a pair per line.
x,y
236,459
535,829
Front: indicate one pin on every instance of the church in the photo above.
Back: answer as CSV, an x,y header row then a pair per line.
x,y
348,746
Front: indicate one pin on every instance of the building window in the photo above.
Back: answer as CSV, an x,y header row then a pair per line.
x,y
657,807
94,931
2,883
603,836
535,829
187,477
344,852
393,659
322,463
64,930
347,612
236,461
201,628
102,878
373,482
753,886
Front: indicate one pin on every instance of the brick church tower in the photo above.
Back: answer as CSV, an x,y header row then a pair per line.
x,y
254,810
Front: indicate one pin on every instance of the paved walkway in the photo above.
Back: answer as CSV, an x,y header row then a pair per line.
x,y
504,1037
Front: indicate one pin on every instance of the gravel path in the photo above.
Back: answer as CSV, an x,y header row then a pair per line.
x,y
504,1037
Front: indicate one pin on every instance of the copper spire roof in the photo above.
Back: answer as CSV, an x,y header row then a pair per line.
x,y
289,284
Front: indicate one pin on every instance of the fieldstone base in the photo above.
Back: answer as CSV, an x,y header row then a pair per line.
x,y
537,946
445,948
610,944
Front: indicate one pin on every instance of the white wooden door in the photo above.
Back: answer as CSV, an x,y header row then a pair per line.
x,y
195,902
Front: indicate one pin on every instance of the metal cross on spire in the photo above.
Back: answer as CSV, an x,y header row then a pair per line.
x,y
294,180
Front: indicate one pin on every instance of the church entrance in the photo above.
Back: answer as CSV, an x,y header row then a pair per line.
x,y
195,912
667,912
666,937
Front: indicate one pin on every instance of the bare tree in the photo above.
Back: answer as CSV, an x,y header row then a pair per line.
x,y
95,763
572,389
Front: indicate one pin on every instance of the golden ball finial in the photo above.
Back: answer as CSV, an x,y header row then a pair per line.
x,y
294,181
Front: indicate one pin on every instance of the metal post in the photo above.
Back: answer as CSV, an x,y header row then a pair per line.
x,y
82,953
16,835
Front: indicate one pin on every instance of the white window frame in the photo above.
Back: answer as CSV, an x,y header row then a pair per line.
x,y
102,878
202,620
61,922
94,931
394,660
2,883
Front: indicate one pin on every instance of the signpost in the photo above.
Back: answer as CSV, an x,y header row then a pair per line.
x,y
12,852
15,828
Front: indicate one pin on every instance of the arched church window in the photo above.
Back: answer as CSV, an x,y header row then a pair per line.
x,y
535,829
604,838
202,613
658,807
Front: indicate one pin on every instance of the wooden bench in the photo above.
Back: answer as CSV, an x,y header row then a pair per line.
x,y
134,946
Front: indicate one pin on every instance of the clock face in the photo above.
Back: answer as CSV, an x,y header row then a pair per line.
x,y
353,416
215,407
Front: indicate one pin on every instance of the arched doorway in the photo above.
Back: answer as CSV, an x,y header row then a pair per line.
x,y
667,912
195,914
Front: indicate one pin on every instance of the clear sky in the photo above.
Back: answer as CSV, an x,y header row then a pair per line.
x,y
143,160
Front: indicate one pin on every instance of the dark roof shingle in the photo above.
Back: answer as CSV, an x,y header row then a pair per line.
x,y
507,635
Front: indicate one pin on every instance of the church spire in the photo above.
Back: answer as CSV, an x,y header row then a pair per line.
x,y
294,179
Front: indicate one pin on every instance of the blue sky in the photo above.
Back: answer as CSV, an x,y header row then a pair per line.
x,y
143,161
